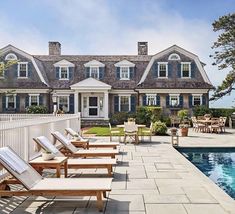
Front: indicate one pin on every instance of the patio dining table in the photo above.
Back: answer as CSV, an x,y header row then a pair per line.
x,y
207,123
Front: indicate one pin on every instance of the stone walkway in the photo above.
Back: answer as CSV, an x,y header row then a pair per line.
x,y
149,178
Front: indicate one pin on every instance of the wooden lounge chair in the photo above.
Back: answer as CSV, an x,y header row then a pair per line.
x,y
70,150
81,142
77,163
35,184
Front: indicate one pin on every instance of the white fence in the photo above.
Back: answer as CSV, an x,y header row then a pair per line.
x,y
19,134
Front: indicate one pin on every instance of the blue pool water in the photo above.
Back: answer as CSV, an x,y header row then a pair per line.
x,y
216,163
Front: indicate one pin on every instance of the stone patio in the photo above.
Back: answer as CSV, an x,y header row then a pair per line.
x,y
149,178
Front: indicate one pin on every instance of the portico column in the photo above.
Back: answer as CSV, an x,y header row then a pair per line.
x,y
106,105
75,102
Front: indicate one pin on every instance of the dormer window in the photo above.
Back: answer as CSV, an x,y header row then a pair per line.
x,y
174,56
10,57
186,69
64,73
23,70
94,72
163,69
124,73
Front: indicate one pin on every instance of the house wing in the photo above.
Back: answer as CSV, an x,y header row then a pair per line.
x,y
182,51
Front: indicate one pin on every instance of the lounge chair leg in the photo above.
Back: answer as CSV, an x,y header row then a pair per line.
x,y
99,201
110,171
104,195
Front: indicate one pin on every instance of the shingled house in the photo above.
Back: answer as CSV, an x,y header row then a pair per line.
x,y
98,86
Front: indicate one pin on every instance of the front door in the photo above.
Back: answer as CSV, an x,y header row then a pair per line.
x,y
93,107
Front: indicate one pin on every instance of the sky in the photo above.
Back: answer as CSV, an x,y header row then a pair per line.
x,y
115,27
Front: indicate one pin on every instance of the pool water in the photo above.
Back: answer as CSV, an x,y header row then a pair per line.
x,y
218,164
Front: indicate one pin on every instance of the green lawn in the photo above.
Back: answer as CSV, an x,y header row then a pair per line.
x,y
102,131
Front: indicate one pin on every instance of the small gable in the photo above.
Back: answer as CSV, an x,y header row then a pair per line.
x,y
64,63
124,63
94,63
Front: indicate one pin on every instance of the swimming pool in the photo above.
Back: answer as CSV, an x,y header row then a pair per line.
x,y
216,163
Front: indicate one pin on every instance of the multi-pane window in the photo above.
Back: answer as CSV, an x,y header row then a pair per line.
x,y
124,103
63,103
162,70
23,69
151,99
94,72
64,73
124,73
174,100
186,69
197,100
11,102
34,100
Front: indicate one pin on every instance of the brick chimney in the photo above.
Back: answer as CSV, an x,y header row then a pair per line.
x,y
142,48
54,48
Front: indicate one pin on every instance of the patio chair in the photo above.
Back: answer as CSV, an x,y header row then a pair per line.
x,y
222,123
149,132
70,150
77,163
174,121
215,126
86,143
114,132
131,131
34,184
197,126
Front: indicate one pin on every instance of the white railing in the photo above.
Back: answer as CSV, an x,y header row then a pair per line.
x,y
11,117
19,134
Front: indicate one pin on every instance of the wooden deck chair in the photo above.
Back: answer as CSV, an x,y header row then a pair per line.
x,y
77,163
72,151
36,185
81,141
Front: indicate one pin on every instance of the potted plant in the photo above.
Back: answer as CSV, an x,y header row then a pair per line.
x,y
184,129
47,155
184,122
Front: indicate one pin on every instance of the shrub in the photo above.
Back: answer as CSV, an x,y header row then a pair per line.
x,y
120,117
159,128
37,110
155,113
200,111
183,114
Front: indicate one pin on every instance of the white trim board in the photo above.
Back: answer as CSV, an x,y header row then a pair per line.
x,y
180,50
173,91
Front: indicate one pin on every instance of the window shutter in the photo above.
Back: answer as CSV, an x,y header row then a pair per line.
x,y
40,99
118,72
167,100
155,69
3,103
190,101
133,103
17,103
181,101
144,100
57,72
27,101
30,69
87,72
169,70
116,103
193,68
131,72
101,73
15,68
203,100
179,70
71,72
158,100
71,103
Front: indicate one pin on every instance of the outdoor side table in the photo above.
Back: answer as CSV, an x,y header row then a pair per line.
x,y
57,163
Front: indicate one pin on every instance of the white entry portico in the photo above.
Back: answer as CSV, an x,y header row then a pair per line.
x,y
91,96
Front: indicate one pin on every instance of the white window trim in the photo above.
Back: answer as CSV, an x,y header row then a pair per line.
x,y
9,55
58,101
188,63
60,73
7,97
97,69
119,108
196,95
27,69
30,95
151,95
121,67
158,69
174,95
174,54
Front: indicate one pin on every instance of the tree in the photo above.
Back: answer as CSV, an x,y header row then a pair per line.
x,y
224,55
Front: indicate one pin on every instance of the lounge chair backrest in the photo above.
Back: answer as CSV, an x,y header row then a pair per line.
x,y
18,168
73,133
66,143
46,145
